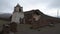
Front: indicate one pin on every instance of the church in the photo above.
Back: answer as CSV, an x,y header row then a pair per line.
x,y
23,17
34,17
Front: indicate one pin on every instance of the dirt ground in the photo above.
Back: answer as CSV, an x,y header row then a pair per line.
x,y
25,29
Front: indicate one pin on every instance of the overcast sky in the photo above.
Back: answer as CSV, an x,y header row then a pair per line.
x,y
48,7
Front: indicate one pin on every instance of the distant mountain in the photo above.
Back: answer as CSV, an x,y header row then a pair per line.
x,y
5,16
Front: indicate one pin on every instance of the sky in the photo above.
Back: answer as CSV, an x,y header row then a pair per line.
x,y
48,7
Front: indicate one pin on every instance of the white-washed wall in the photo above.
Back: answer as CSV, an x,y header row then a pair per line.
x,y
16,17
37,17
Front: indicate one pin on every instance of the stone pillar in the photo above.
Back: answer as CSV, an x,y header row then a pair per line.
x,y
13,27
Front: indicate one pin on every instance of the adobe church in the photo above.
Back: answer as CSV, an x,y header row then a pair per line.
x,y
33,17
23,17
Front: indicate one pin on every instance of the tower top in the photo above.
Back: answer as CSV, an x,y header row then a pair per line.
x,y
18,8
18,5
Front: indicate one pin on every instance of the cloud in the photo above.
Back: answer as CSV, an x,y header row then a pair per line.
x,y
7,6
46,6
35,4
54,4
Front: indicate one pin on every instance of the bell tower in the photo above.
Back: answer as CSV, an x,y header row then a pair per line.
x,y
18,8
17,14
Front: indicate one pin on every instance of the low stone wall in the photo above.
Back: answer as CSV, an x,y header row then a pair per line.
x,y
5,29
9,28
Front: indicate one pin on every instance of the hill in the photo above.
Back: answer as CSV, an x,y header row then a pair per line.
x,y
5,16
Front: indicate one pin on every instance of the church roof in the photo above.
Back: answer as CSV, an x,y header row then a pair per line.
x,y
34,11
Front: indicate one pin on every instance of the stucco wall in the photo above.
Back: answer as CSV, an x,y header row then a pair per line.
x,y
16,17
37,17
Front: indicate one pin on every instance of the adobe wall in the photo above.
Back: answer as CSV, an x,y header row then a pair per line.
x,y
16,17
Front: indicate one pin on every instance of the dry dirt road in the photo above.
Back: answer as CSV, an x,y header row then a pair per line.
x,y
24,29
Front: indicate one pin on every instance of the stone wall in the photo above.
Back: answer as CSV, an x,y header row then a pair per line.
x,y
5,29
9,28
